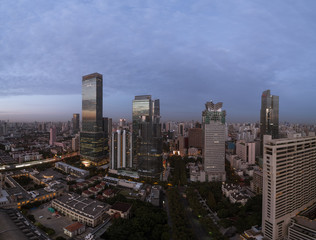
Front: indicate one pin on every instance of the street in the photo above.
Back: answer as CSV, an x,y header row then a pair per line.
x,y
196,226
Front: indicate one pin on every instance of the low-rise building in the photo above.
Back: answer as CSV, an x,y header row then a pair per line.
x,y
46,176
234,193
303,225
87,193
25,156
81,209
238,198
123,183
108,193
74,229
302,228
197,173
254,233
71,169
228,189
257,182
125,173
155,196
120,209
94,190
13,195
99,187
6,158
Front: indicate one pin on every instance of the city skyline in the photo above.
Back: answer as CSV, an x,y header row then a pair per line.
x,y
191,53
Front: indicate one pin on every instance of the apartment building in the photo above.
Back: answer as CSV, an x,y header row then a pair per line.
x,y
289,176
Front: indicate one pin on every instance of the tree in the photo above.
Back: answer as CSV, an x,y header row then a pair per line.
x,y
60,238
2,147
211,201
71,182
31,217
146,222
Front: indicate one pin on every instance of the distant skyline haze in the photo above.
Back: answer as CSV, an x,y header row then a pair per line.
x,y
184,53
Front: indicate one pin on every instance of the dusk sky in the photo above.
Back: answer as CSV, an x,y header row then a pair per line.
x,y
183,52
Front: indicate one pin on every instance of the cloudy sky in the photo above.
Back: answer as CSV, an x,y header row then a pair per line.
x,y
184,52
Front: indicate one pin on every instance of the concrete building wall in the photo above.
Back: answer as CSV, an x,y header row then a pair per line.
x,y
214,151
246,151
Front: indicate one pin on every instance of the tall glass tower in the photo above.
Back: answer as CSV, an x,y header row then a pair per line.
x,y
213,121
75,122
269,116
146,137
92,141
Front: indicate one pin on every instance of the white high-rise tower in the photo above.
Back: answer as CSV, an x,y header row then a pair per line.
x,y
213,119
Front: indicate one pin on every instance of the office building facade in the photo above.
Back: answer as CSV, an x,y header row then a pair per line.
x,y
246,151
121,149
146,137
92,141
289,177
181,129
107,129
195,138
213,121
76,122
75,143
269,116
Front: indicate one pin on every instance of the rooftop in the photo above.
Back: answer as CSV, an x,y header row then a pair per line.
x,y
82,204
122,207
92,75
301,220
307,218
49,174
74,227
142,97
285,141
108,191
17,190
72,167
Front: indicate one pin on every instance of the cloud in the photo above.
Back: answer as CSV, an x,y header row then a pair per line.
x,y
181,52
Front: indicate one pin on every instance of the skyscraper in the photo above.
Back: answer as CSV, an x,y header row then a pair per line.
x,y
181,129
121,156
289,179
146,137
75,122
246,151
196,138
213,121
107,129
92,141
75,143
269,116
123,122
52,135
